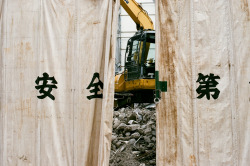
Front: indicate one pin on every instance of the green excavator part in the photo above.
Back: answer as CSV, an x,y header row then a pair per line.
x,y
160,86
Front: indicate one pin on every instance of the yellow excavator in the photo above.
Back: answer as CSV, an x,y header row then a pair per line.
x,y
136,84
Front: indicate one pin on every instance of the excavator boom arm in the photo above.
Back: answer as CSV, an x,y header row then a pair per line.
x,y
137,13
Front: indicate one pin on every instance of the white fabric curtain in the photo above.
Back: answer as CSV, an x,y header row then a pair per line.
x,y
70,40
209,39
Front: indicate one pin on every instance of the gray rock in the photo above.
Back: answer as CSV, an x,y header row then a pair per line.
x,y
132,116
150,106
118,144
154,133
116,114
142,148
141,131
122,116
144,111
150,145
132,141
150,122
128,109
113,147
135,135
116,123
127,134
132,127
113,137
143,126
115,141
123,138
121,126
122,148
147,139
122,110
147,131
131,122
146,117
136,152
138,113
153,117
152,162
153,139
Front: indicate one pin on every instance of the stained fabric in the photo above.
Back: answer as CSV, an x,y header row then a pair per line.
x,y
70,41
197,42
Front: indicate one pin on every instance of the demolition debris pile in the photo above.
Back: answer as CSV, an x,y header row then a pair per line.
x,y
134,137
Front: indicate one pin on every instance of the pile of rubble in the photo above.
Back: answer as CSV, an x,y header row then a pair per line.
x,y
134,137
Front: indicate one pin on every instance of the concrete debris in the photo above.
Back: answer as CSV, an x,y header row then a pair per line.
x,y
132,127
116,123
134,136
150,106
122,126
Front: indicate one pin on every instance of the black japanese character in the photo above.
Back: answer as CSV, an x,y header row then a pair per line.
x,y
46,88
95,87
208,85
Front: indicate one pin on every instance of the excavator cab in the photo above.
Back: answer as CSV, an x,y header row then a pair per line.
x,y
139,58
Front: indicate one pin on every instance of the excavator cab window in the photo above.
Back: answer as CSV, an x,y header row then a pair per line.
x,y
133,56
139,59
149,65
